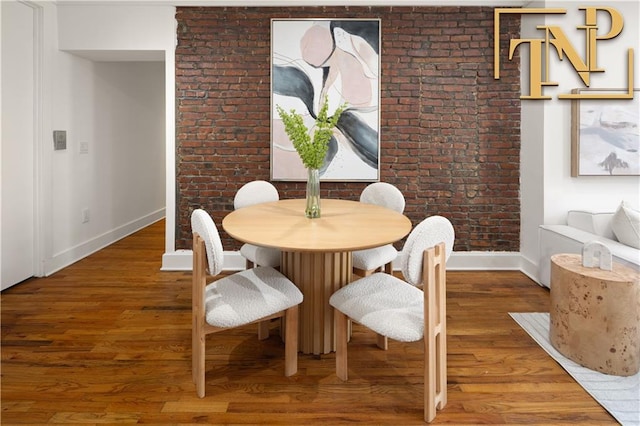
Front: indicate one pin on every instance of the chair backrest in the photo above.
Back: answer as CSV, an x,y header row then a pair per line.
x,y
203,225
428,233
383,194
255,192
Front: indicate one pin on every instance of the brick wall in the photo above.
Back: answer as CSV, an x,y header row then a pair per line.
x,y
450,133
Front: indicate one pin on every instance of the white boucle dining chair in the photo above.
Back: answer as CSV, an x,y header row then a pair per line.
x,y
250,296
366,262
399,310
256,192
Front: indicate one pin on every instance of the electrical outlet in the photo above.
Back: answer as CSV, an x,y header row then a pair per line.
x,y
84,147
85,215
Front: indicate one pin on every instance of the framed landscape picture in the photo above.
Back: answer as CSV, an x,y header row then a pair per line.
x,y
605,135
338,59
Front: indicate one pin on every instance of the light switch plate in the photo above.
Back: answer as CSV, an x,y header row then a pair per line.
x,y
59,140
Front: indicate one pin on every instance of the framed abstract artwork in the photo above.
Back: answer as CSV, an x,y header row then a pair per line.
x,y
338,59
605,137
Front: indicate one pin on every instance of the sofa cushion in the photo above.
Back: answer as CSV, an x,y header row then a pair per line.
x,y
595,223
626,225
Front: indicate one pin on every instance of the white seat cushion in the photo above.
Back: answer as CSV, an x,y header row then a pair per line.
x,y
263,256
247,296
373,258
385,304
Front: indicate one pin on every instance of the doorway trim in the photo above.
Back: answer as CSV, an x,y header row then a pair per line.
x,y
39,226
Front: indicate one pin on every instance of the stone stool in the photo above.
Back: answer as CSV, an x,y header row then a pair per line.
x,y
595,315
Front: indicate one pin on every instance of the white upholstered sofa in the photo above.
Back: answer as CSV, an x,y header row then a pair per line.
x,y
617,230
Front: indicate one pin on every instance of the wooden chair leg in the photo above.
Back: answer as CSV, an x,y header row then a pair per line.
x,y
441,337
435,332
342,336
382,342
441,367
291,341
197,308
263,329
435,372
429,377
198,360
194,349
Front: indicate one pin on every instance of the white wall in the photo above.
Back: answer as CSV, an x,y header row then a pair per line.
x,y
547,189
116,27
563,192
130,31
118,111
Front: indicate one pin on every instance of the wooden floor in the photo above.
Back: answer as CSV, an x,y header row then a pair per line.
x,y
107,340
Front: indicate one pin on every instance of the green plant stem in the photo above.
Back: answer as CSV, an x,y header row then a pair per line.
x,y
312,152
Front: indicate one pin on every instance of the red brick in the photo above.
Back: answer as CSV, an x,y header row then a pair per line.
x,y
450,133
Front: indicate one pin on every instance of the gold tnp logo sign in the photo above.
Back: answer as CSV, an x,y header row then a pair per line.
x,y
555,37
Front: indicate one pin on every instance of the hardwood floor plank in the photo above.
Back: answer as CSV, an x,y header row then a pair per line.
x,y
107,341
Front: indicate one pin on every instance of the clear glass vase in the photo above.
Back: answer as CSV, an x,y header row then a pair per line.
x,y
312,210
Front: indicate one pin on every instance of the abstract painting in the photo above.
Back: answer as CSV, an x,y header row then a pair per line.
x,y
605,136
312,59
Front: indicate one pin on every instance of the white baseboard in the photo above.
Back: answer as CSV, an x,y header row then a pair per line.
x,y
180,260
530,269
483,261
80,251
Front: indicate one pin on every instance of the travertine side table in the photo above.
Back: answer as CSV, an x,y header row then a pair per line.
x,y
595,315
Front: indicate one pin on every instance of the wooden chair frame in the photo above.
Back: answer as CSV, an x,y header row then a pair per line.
x,y
200,328
387,268
435,333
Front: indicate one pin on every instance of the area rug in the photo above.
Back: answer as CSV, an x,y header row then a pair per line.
x,y
620,396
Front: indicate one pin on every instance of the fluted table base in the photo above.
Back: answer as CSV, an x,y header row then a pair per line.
x,y
318,275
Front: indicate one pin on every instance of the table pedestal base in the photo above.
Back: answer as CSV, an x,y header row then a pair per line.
x,y
318,276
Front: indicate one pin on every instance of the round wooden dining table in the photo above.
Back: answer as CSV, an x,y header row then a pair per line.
x,y
316,253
